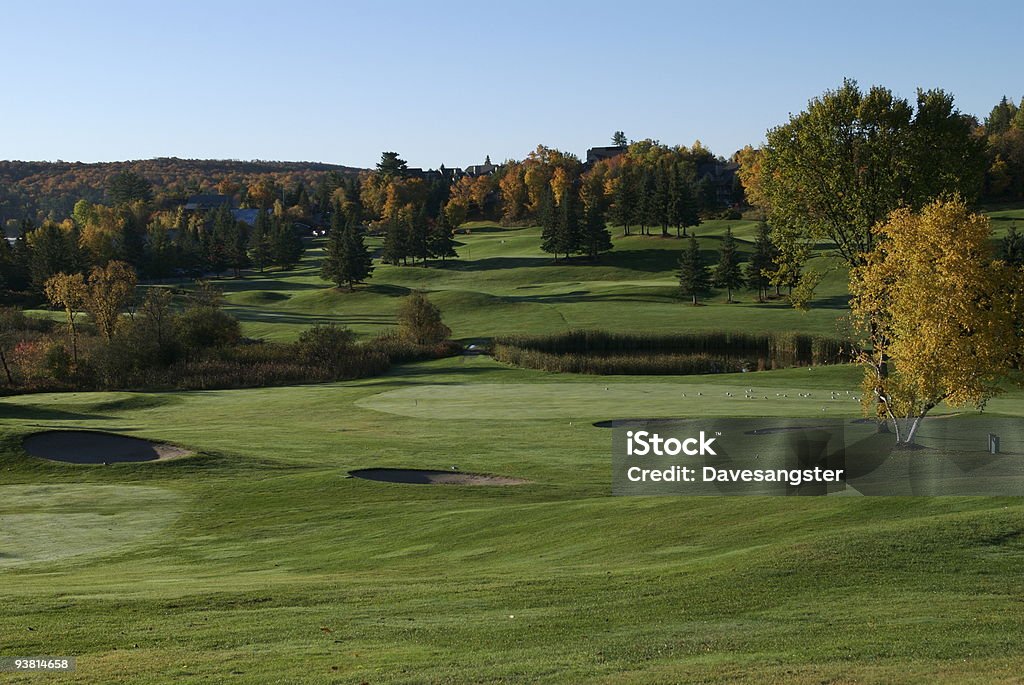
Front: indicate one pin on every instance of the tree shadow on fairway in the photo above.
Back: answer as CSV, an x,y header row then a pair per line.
x,y
245,284
498,263
311,319
36,413
385,289
578,296
651,261
463,374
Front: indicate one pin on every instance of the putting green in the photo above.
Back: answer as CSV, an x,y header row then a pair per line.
x,y
597,400
51,522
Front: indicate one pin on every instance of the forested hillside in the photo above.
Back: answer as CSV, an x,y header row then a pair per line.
x,y
41,190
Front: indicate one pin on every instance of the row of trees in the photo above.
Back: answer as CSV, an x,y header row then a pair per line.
x,y
1004,139
697,277
157,244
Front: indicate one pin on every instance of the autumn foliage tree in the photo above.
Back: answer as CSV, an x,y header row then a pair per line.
x,y
834,171
936,312
419,320
69,292
109,290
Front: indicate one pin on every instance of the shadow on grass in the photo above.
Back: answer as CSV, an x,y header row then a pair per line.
x,y
244,285
311,319
34,413
499,263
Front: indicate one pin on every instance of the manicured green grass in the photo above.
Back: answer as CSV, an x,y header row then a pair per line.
x,y
502,283
258,560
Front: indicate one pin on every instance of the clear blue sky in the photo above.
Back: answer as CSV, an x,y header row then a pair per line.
x,y
449,82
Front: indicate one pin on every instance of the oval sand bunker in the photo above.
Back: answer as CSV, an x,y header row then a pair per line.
x,y
428,477
90,447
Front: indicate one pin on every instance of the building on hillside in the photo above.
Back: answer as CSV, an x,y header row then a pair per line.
x,y
722,176
485,169
597,154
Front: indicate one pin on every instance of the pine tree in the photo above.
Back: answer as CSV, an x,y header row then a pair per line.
x,y
1011,248
260,244
441,243
728,273
595,238
395,249
418,229
624,200
693,273
348,260
682,203
647,210
762,262
548,216
287,244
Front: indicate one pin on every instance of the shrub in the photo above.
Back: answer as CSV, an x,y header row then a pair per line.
x,y
327,346
600,352
419,321
204,327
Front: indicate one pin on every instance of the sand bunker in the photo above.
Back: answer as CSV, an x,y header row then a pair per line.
x,y
91,447
427,477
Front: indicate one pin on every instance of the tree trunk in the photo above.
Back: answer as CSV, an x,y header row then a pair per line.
x,y
7,370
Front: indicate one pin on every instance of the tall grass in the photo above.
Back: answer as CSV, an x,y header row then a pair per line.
x,y
600,352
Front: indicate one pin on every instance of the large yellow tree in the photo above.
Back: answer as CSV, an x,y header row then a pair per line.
x,y
68,291
109,290
936,310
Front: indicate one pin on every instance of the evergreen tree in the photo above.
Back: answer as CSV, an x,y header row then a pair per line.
x,y
624,200
1011,247
1001,117
218,239
189,249
441,243
18,272
53,250
391,164
6,262
348,260
394,250
569,220
160,254
595,237
683,209
260,242
661,204
647,209
548,218
128,186
728,274
561,224
287,244
707,196
762,262
694,279
418,229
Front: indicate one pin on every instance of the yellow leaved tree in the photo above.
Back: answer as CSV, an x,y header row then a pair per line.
x,y
936,311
